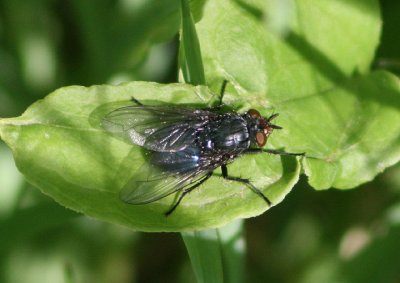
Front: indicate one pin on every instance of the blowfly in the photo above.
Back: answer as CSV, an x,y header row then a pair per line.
x,y
186,145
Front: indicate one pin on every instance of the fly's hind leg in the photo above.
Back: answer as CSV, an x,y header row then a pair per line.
x,y
246,182
186,191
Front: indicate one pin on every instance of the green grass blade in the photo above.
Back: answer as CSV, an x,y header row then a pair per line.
x,y
233,249
190,60
205,254
217,255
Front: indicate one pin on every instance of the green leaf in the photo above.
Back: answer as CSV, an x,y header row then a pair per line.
x,y
349,125
59,146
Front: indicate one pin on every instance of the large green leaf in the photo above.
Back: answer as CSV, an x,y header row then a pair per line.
x,y
60,148
315,75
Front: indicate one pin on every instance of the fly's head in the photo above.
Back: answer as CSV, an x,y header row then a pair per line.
x,y
260,127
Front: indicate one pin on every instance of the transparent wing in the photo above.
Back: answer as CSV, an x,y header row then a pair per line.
x,y
166,173
158,128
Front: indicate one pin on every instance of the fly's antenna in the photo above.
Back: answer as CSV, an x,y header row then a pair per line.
x,y
272,117
275,127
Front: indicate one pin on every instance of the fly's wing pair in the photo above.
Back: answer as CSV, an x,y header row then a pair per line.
x,y
157,128
169,133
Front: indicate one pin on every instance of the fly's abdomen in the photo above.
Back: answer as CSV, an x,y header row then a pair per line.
x,y
179,162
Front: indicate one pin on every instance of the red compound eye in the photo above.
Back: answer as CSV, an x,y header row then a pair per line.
x,y
261,139
254,113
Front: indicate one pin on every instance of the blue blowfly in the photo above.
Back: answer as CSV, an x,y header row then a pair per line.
x,y
185,145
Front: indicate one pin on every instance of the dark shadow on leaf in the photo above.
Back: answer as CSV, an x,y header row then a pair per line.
x,y
317,58
252,10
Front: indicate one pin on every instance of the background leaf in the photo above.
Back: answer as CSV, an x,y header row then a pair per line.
x,y
317,50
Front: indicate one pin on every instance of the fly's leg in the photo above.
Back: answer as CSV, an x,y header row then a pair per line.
x,y
136,101
220,104
246,182
185,192
272,151
221,93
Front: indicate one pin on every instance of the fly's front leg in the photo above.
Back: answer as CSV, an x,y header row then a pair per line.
x,y
219,103
244,181
136,101
221,93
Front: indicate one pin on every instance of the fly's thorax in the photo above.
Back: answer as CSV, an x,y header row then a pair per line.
x,y
228,132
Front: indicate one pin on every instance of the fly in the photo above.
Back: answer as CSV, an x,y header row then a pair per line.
x,y
186,145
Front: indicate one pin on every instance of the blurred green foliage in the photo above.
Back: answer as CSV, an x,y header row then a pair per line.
x,y
327,236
